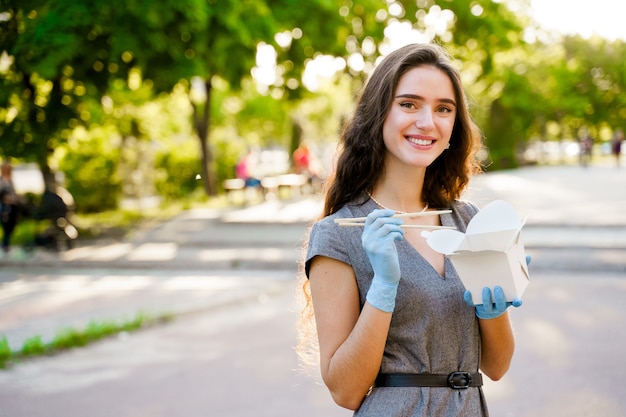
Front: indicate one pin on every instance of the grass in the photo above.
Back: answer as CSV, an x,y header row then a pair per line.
x,y
116,224
70,338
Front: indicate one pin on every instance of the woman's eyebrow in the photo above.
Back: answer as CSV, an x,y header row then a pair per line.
x,y
420,98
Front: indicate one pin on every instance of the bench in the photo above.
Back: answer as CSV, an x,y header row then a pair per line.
x,y
236,190
275,186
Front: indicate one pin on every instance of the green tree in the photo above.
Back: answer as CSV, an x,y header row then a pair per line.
x,y
552,90
92,160
34,108
64,52
63,56
597,81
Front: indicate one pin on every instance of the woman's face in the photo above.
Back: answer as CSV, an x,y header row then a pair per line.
x,y
420,122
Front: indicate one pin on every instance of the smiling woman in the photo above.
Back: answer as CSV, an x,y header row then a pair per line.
x,y
420,121
391,317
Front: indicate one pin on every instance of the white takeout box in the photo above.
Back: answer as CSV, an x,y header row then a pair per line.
x,y
489,253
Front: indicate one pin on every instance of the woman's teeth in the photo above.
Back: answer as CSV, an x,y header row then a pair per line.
x,y
421,142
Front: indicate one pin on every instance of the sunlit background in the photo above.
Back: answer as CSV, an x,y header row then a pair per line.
x,y
123,120
554,18
583,17
195,137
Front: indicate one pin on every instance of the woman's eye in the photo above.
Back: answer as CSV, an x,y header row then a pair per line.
x,y
407,105
445,110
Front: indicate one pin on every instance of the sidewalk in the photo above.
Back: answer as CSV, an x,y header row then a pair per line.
x,y
231,274
204,259
264,236
568,208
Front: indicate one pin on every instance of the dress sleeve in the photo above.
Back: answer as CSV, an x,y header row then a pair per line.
x,y
332,241
326,239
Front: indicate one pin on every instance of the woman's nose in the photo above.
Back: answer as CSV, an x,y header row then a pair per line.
x,y
424,119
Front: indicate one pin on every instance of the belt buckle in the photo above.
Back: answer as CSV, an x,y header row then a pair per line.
x,y
459,380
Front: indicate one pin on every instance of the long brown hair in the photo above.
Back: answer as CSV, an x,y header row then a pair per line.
x,y
362,151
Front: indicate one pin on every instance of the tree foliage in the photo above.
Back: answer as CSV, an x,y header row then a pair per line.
x,y
66,65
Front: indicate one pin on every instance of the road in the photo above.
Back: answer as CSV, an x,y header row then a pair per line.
x,y
231,352
238,360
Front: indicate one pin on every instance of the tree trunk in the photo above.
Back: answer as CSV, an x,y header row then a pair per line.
x,y
202,122
49,178
296,136
500,137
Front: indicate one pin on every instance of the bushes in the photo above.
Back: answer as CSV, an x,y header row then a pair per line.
x,y
90,162
92,182
177,172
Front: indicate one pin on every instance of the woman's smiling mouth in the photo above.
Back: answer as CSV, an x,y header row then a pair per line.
x,y
420,141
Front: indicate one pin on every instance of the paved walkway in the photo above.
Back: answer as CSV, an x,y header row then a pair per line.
x,y
205,258
567,208
233,263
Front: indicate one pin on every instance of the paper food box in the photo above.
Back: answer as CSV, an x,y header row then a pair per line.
x,y
490,253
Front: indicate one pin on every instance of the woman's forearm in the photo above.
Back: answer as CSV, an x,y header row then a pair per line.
x,y
352,369
498,345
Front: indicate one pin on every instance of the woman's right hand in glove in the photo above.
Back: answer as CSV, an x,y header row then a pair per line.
x,y
378,240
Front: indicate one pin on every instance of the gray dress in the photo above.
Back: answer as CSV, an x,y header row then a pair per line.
x,y
432,329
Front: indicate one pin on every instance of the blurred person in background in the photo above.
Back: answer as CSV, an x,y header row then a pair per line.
x,y
586,148
616,145
9,204
57,206
246,167
305,163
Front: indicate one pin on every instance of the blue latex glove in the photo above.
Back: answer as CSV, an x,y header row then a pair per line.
x,y
491,308
378,240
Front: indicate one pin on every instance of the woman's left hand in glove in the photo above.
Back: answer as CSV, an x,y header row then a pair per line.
x,y
491,307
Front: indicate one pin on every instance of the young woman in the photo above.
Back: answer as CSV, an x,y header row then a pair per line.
x,y
396,334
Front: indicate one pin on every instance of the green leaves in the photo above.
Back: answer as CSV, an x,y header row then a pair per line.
x,y
65,58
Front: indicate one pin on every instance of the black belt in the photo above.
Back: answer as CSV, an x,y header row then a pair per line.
x,y
455,380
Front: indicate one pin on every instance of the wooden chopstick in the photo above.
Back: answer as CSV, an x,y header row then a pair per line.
x,y
399,215
406,226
